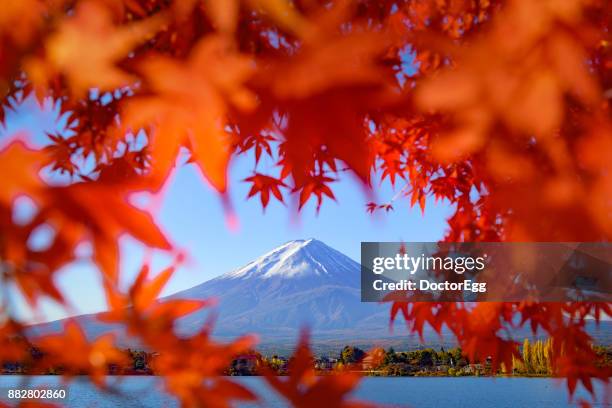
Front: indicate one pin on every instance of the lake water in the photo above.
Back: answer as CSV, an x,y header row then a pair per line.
x,y
424,392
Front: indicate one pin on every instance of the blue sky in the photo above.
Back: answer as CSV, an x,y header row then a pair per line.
x,y
193,218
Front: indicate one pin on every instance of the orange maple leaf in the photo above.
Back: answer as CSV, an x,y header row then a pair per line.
x,y
141,310
302,388
87,47
76,355
99,213
188,106
21,165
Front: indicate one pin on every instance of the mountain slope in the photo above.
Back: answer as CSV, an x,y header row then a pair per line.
x,y
301,283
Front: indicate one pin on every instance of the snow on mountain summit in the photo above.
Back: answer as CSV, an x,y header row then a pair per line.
x,y
297,259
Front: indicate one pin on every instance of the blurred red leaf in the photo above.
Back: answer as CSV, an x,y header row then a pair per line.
x,y
302,388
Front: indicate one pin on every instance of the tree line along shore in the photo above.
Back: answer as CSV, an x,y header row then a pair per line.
x,y
535,361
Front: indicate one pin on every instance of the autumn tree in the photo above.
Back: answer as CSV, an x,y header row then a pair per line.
x,y
500,108
351,355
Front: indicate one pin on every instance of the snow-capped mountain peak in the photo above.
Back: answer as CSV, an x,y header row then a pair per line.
x,y
296,259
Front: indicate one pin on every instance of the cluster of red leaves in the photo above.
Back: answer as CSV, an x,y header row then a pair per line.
x,y
191,367
499,107
90,211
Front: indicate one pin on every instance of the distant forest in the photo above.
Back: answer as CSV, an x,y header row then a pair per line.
x,y
535,361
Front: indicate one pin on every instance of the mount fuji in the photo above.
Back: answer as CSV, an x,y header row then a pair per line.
x,y
302,283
